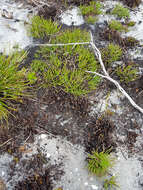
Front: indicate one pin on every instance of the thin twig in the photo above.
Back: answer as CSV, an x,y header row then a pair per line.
x,y
6,142
67,44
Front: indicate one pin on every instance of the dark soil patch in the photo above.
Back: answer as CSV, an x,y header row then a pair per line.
x,y
42,178
60,114
99,135
132,3
115,36
40,181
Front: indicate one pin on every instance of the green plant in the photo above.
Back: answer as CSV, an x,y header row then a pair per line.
x,y
13,82
91,19
94,8
111,53
100,163
131,41
44,29
120,11
110,183
72,36
65,67
116,25
127,73
131,23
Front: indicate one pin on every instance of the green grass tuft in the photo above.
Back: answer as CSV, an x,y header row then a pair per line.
x,y
91,19
110,183
44,29
94,8
127,73
13,82
72,36
100,163
65,68
121,11
116,25
111,53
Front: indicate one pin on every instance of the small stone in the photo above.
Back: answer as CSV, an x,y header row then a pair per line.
x,y
48,155
43,136
94,187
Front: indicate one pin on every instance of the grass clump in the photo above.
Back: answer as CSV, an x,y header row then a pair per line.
x,y
121,11
13,82
131,41
72,36
100,163
110,183
127,73
116,25
94,8
91,19
131,23
65,68
111,53
41,28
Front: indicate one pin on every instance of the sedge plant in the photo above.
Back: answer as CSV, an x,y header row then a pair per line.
x,y
13,82
100,163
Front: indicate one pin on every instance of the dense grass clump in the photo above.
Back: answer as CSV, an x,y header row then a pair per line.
x,y
13,82
44,29
94,8
111,53
100,163
72,36
121,11
127,73
116,25
65,68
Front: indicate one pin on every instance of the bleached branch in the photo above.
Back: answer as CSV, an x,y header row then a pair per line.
x,y
67,44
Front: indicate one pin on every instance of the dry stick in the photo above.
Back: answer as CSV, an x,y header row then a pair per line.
x,y
68,44
106,76
6,142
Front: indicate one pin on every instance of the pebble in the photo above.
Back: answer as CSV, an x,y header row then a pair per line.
x,y
94,187
48,155
85,183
